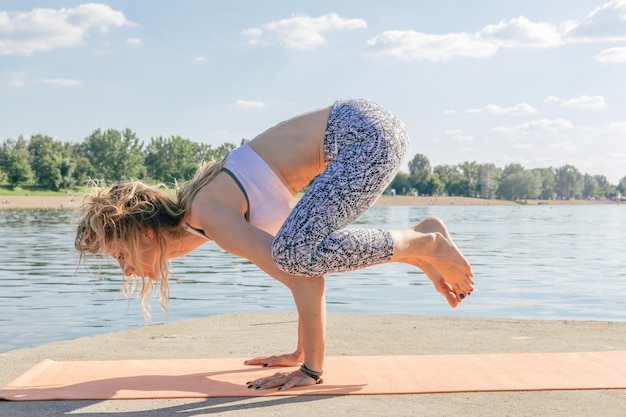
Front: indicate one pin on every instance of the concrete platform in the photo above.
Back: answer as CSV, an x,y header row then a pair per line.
x,y
253,334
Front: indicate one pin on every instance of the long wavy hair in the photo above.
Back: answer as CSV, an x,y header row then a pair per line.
x,y
126,212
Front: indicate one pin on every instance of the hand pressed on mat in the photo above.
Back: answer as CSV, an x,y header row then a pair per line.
x,y
283,380
287,359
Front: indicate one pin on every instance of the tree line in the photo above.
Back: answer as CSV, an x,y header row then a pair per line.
x,y
114,155
513,182
110,155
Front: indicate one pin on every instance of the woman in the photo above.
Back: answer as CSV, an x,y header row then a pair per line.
x,y
352,149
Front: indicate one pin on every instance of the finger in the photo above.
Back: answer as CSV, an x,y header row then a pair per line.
x,y
261,383
288,385
296,380
273,382
260,360
269,381
281,361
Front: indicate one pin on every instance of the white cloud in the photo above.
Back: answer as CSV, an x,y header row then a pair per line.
x,y
21,78
38,30
59,81
585,102
615,127
300,32
199,59
518,109
521,146
248,104
410,45
134,42
535,126
567,145
606,23
460,136
522,33
252,32
617,54
582,102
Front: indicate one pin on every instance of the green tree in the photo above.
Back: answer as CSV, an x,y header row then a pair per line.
x,y
435,185
591,188
445,172
46,161
604,186
68,165
471,172
5,150
18,169
488,181
402,181
569,182
456,183
450,176
520,186
174,158
459,186
115,155
547,178
83,170
512,168
621,187
207,153
419,172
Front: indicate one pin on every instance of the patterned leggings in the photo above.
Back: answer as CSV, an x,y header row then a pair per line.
x,y
363,148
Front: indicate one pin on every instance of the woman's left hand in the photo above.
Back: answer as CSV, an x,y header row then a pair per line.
x,y
283,380
288,359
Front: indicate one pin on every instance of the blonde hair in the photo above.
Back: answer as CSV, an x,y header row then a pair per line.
x,y
128,211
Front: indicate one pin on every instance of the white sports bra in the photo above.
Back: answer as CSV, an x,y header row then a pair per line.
x,y
267,197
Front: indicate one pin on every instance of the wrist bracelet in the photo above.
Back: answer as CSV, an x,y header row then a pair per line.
x,y
311,373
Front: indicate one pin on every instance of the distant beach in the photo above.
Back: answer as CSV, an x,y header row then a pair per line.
x,y
40,202
74,201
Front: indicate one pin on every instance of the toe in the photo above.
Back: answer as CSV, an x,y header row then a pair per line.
x,y
448,292
452,299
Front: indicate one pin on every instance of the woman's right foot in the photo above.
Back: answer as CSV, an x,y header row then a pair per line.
x,y
440,259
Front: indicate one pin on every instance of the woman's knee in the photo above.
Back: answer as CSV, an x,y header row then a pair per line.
x,y
290,260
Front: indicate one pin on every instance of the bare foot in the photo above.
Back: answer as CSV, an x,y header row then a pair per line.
x,y
429,246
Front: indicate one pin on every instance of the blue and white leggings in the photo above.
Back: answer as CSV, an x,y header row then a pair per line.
x,y
364,146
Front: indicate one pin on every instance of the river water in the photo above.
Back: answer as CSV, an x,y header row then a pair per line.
x,y
534,262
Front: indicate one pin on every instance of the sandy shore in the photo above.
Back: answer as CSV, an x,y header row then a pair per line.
x,y
39,202
54,202
243,335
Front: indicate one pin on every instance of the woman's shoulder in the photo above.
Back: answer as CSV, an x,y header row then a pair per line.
x,y
214,201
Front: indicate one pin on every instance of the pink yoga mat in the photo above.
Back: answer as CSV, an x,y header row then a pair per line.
x,y
344,375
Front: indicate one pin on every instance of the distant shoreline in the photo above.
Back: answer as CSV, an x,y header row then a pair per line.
x,y
72,202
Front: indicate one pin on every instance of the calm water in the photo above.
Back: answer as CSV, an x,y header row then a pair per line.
x,y
544,262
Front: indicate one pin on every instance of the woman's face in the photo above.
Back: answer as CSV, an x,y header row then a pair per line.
x,y
120,252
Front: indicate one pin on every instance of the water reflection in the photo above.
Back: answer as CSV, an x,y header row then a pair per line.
x,y
555,262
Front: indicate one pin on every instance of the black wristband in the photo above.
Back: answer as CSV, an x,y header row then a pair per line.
x,y
311,373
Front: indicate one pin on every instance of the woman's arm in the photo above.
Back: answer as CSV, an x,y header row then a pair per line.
x,y
287,359
232,233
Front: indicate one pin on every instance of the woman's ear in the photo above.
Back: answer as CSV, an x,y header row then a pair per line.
x,y
147,236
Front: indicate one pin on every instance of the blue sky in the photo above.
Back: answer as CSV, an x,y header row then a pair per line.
x,y
540,83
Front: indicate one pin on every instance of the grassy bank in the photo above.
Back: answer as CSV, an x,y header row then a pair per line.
x,y
30,190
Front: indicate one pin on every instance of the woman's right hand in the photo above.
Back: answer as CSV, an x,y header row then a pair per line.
x,y
287,359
